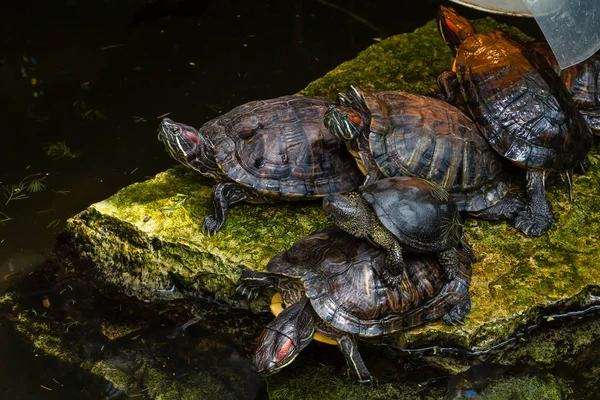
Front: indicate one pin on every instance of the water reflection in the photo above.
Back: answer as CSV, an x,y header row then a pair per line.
x,y
144,351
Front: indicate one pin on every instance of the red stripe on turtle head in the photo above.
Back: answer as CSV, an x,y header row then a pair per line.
x,y
284,350
192,137
451,25
356,119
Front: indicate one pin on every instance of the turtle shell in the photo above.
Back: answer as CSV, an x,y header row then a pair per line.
x,y
523,109
422,215
306,252
281,148
582,80
340,275
420,136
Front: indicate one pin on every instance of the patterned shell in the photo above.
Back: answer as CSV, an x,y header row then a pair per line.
x,y
524,111
422,215
340,274
280,147
420,136
582,80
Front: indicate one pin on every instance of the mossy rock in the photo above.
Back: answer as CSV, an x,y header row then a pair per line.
x,y
148,236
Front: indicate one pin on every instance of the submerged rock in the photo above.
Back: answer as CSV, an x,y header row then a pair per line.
x,y
146,241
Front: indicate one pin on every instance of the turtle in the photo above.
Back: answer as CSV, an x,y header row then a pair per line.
x,y
264,151
402,214
394,133
328,288
582,80
520,105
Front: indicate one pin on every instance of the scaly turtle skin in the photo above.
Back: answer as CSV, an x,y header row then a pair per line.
x,y
264,151
582,80
394,133
520,105
329,288
402,214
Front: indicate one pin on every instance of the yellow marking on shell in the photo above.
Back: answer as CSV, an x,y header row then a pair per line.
x,y
366,274
277,307
446,179
319,337
276,304
454,66
412,156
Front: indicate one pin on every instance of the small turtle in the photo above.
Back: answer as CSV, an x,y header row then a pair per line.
x,y
329,289
520,105
264,151
394,133
582,80
402,213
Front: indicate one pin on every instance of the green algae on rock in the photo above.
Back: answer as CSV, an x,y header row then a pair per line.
x,y
148,235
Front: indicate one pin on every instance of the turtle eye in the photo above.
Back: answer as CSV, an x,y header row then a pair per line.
x,y
356,119
174,130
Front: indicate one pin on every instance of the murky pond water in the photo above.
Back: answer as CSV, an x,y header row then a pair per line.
x,y
83,84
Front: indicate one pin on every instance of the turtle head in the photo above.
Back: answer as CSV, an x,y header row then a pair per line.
x,y
274,350
284,338
453,27
349,211
186,145
345,123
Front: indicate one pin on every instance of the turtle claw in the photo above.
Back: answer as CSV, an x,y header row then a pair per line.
x,y
532,224
212,225
112,392
248,291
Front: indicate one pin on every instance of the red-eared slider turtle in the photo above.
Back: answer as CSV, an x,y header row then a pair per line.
x,y
262,151
329,288
520,105
394,133
582,80
402,213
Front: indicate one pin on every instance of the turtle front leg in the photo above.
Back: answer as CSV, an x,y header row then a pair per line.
x,y
349,348
537,218
394,266
252,282
507,208
448,83
225,194
371,170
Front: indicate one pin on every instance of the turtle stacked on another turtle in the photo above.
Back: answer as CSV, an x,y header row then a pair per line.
x,y
393,133
329,288
520,105
337,283
402,214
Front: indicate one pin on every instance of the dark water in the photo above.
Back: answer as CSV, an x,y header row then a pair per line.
x,y
96,75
